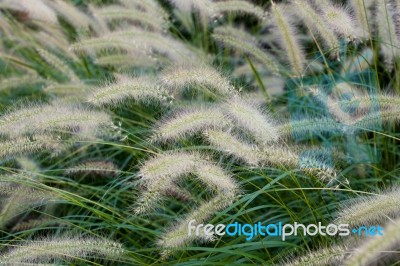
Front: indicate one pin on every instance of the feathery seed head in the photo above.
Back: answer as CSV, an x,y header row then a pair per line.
x,y
187,123
137,40
20,146
58,64
205,77
61,248
54,117
37,10
169,165
323,257
379,249
389,41
251,119
316,24
19,81
309,128
341,21
216,178
177,236
141,89
365,210
243,42
232,145
288,38
363,14
71,13
240,6
157,23
162,171
94,168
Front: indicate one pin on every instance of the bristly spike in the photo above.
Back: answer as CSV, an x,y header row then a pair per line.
x,y
188,122
316,24
289,39
250,118
200,76
378,249
232,145
48,250
365,210
140,89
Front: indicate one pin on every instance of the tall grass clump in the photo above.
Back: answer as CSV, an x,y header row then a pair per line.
x,y
123,124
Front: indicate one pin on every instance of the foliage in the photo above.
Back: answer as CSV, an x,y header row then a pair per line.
x,y
121,121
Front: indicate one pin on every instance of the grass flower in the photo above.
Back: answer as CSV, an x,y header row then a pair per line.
x,y
38,11
11,149
145,18
362,10
54,117
243,43
202,76
249,117
316,24
94,168
365,210
71,13
189,122
379,249
323,257
232,145
178,236
58,64
164,170
288,38
340,21
239,6
48,250
140,89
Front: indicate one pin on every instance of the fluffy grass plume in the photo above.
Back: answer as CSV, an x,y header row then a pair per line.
x,y
216,178
202,76
232,145
160,172
71,13
138,40
140,89
288,38
51,250
54,117
164,170
366,210
380,249
148,20
177,236
244,43
188,122
389,40
250,118
58,64
37,11
340,20
19,81
238,6
323,257
11,149
309,128
20,198
316,24
95,169
363,14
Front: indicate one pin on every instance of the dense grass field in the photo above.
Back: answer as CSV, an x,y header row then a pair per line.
x,y
199,132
